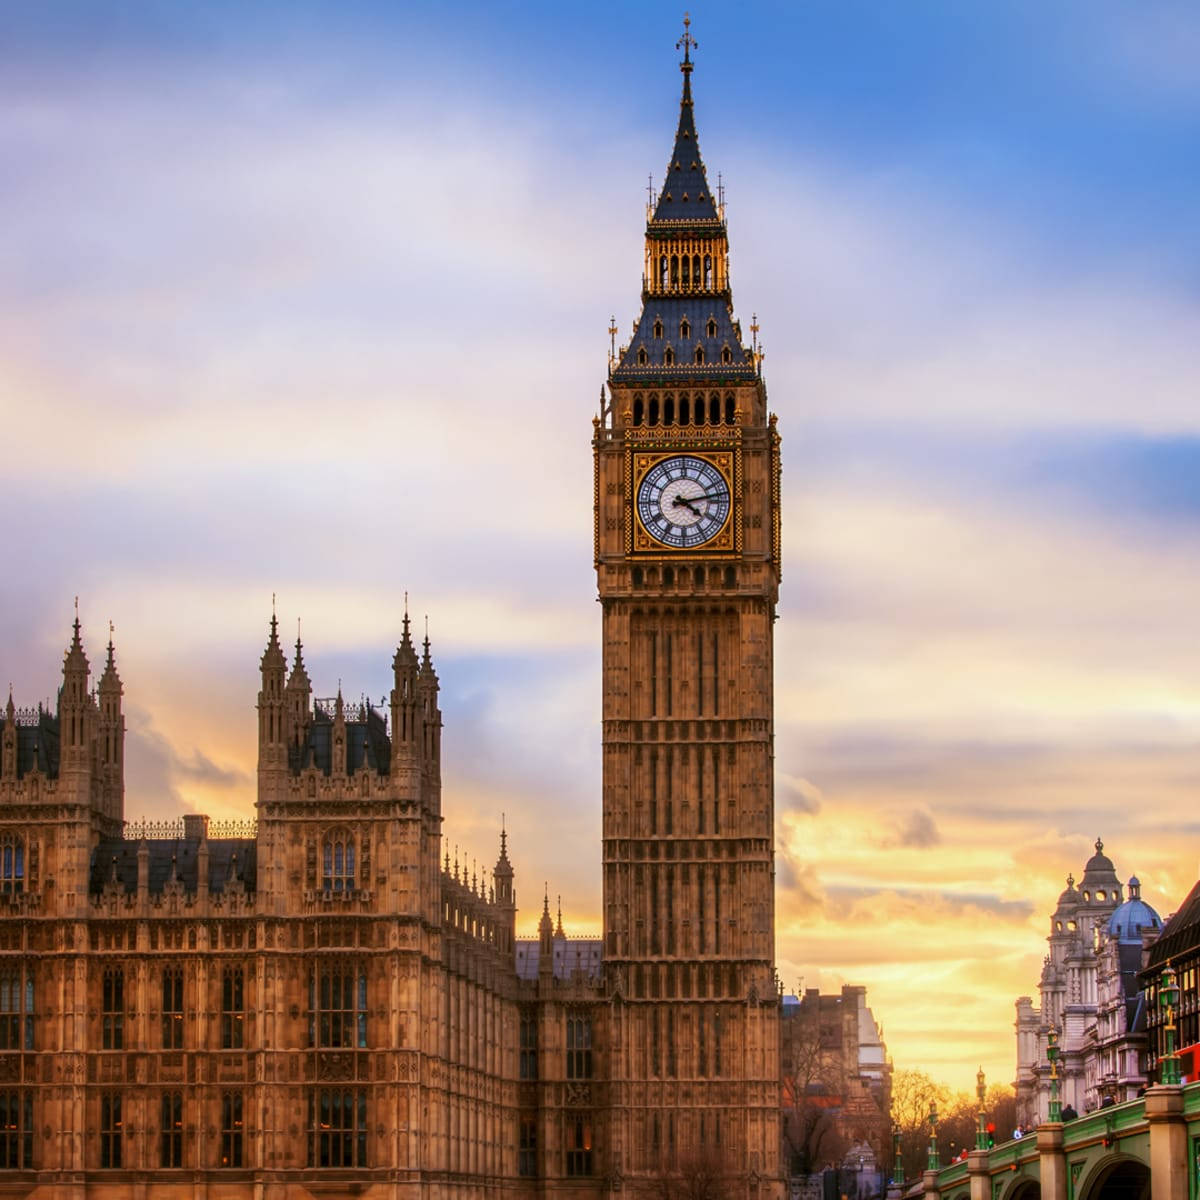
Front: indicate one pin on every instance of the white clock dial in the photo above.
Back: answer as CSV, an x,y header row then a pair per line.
x,y
683,501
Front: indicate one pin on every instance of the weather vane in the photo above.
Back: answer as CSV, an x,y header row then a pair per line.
x,y
687,43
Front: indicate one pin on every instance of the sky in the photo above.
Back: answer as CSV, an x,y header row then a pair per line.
x,y
311,299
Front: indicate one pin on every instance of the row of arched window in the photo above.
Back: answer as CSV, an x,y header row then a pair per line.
x,y
699,356
678,271
687,410
717,577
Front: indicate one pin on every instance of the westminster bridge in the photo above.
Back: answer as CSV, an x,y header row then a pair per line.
x,y
1147,1149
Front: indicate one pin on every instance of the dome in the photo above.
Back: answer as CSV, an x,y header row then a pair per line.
x,y
1069,897
1129,919
1100,880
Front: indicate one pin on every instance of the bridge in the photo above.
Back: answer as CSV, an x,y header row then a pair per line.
x,y
1147,1149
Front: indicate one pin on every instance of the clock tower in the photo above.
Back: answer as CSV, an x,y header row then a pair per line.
x,y
687,549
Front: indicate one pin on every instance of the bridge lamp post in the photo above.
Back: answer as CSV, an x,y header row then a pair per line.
x,y
935,1163
1168,998
981,1092
1052,1055
898,1168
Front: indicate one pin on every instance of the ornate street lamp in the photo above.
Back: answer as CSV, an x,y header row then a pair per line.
x,y
898,1168
935,1163
1168,998
981,1092
1052,1055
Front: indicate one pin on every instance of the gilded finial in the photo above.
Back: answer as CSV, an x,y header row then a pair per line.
x,y
687,43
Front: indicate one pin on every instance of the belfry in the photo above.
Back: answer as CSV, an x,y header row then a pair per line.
x,y
687,554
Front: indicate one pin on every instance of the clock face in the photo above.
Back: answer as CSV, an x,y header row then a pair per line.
x,y
683,501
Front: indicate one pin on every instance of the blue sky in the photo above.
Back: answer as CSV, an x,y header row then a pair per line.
x,y
280,285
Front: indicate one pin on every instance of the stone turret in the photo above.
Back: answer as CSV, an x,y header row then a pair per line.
x,y
272,710
112,738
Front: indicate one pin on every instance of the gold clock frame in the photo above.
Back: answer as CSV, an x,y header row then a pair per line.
x,y
642,456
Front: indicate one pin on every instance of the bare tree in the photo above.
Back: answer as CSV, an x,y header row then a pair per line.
x,y
912,1094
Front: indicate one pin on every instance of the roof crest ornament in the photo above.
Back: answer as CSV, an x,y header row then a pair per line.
x,y
687,43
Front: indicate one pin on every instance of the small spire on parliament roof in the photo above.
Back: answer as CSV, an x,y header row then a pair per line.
x,y
406,656
10,708
558,929
110,678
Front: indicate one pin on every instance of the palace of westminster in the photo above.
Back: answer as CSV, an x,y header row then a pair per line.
x,y
316,1002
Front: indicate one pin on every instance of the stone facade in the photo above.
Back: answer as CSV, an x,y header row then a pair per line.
x,y
688,569
1089,994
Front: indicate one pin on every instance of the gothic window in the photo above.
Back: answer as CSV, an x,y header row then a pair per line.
x,y
170,1138
16,1009
674,271
669,410
529,1054
696,268
579,1047
337,1121
687,268
699,355
337,1007
711,328
726,354
638,405
172,1008
233,1009
12,864
111,1131
653,420
658,329
337,862
643,358
728,410
714,410
662,283
684,410
16,1130
708,271
579,1146
685,329
668,357
232,1129
527,1148
112,1033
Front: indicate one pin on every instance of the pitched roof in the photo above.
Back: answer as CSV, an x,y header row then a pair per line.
x,y
685,194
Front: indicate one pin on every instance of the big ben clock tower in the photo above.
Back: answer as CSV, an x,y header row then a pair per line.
x,y
687,559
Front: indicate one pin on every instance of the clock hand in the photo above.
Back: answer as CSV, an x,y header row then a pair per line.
x,y
710,496
679,500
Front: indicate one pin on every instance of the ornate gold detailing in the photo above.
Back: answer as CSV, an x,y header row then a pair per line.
x,y
726,460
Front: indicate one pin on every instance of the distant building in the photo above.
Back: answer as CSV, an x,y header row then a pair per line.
x,y
1089,993
837,1082
1180,946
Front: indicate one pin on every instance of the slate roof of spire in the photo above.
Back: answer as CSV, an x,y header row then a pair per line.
x,y
672,311
685,194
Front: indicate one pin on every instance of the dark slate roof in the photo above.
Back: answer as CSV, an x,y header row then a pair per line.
x,y
1181,935
37,743
571,955
178,856
365,739
671,311
685,195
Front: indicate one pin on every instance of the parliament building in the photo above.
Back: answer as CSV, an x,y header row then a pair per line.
x,y
317,1002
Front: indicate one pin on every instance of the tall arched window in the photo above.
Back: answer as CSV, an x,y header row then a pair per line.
x,y
662,276
653,418
669,410
687,271
337,862
12,864
638,406
674,270
707,271
684,410
729,414
699,355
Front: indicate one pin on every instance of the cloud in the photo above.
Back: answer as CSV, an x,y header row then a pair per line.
x,y
918,829
796,795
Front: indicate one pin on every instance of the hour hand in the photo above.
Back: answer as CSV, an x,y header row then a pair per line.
x,y
680,500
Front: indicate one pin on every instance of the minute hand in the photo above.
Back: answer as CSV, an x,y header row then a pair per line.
x,y
710,496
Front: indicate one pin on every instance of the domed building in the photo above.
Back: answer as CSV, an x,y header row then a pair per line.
x,y
1089,993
